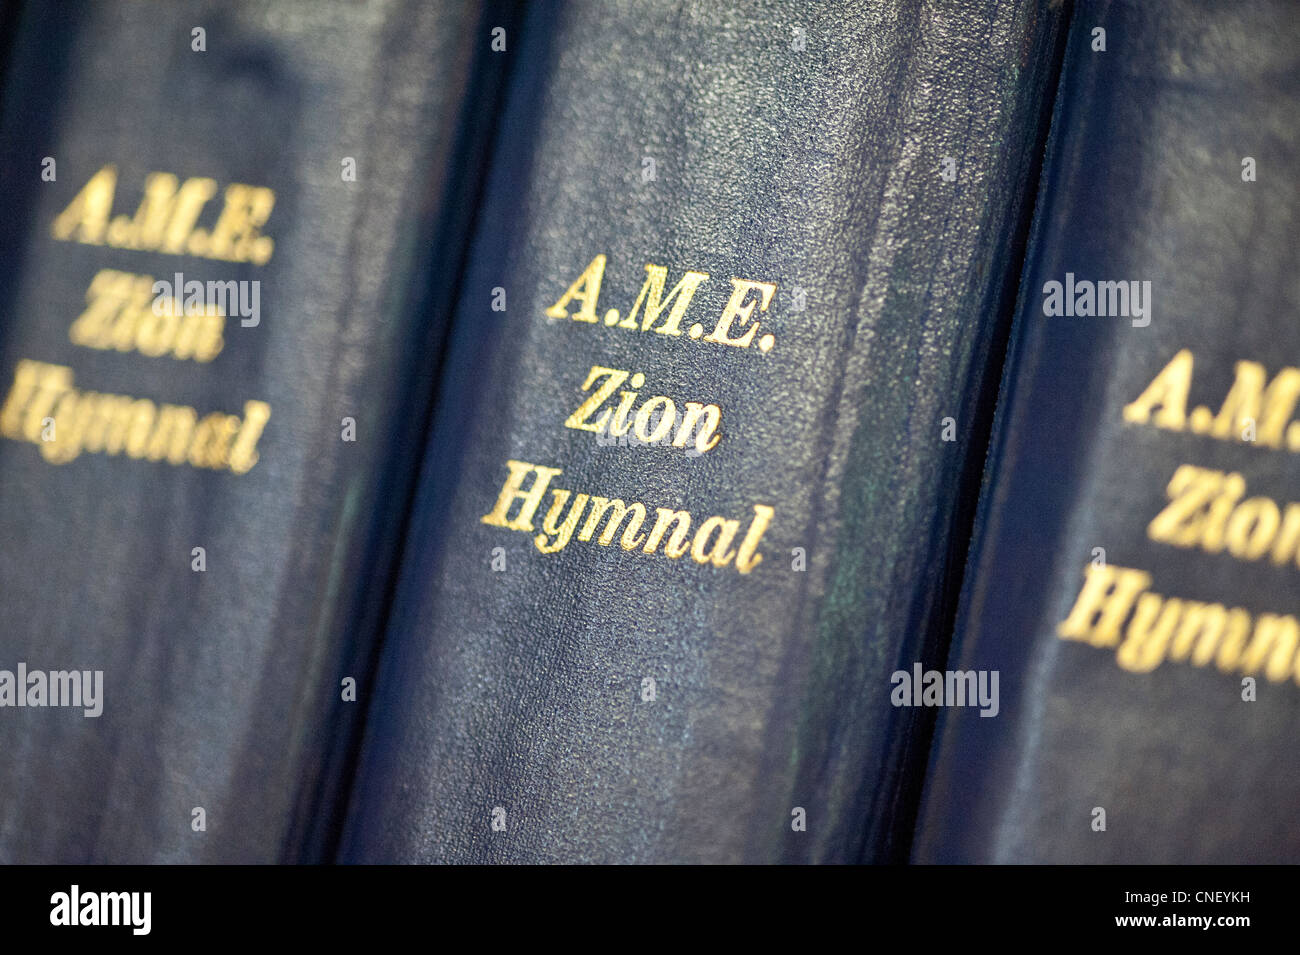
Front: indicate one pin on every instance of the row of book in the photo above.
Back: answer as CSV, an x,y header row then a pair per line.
x,y
645,431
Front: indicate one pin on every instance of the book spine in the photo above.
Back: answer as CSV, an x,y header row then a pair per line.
x,y
214,305
1133,576
716,374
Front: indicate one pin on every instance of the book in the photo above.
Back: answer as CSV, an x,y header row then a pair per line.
x,y
707,435
1133,574
228,228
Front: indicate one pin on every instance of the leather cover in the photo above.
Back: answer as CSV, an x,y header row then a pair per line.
x,y
222,687
1145,180
802,147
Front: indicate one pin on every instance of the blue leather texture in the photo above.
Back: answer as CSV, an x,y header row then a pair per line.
x,y
1146,179
776,142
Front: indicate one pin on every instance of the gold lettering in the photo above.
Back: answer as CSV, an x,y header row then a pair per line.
x,y
1251,528
652,290
1145,643
677,544
561,532
586,289
530,499
236,237
1250,403
1168,392
1164,628
113,424
107,294
120,315
667,419
243,450
1286,543
27,377
212,439
171,439
1275,640
747,557
166,214
86,217
166,217
143,415
1200,502
708,438
55,381
103,423
721,553
579,419
617,511
1233,641
64,444
711,545
737,309
1103,604
1200,631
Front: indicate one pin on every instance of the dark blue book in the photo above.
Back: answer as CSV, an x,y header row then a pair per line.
x,y
707,435
228,229
1133,578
